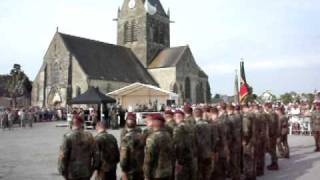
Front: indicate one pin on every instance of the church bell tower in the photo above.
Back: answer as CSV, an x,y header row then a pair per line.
x,y
144,27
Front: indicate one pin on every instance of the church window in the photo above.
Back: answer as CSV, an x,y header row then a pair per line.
x,y
161,34
134,31
38,92
187,89
78,91
55,73
127,32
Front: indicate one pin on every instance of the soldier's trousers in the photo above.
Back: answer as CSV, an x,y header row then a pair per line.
x,y
316,135
283,146
220,169
135,176
204,169
185,173
260,158
273,150
235,164
249,167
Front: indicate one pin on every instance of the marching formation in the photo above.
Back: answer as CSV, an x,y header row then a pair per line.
x,y
218,142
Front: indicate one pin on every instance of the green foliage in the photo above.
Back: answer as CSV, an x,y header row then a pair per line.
x,y
286,98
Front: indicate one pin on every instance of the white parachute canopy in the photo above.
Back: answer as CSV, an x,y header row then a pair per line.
x,y
149,8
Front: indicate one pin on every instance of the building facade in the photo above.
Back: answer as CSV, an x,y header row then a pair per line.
x,y
142,54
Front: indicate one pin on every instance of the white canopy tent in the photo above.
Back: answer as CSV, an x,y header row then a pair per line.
x,y
142,94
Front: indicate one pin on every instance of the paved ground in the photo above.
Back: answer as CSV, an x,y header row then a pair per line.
x,y
31,154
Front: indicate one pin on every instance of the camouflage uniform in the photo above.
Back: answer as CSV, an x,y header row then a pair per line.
x,y
204,150
190,120
159,156
125,130
220,147
76,155
248,142
261,141
132,154
146,133
282,143
106,156
274,133
183,146
235,146
315,126
169,126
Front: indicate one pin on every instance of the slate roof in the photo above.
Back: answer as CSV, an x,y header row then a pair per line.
x,y
168,57
105,61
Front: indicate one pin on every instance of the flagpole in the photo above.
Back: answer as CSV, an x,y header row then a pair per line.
x,y
236,88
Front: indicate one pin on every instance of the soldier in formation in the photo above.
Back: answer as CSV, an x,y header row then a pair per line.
x,y
132,151
315,126
283,146
231,142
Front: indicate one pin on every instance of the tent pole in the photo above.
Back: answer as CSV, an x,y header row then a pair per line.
x,y
101,112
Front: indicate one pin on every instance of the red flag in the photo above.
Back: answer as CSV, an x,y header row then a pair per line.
x,y
244,88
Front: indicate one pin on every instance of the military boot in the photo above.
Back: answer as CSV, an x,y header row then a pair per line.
x,y
273,167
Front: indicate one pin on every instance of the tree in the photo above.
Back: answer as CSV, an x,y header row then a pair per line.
x,y
286,98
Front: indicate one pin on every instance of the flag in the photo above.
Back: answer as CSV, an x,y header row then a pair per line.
x,y
244,88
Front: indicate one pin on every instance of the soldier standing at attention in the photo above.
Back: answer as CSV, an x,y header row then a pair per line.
x,y
235,143
170,123
204,146
315,126
126,129
282,143
159,152
132,152
146,132
248,143
107,153
261,137
183,146
76,153
274,134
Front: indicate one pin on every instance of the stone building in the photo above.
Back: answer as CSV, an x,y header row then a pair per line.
x,y
142,54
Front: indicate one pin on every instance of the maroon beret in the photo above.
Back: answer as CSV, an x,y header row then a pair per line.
x,y
131,116
179,112
169,112
317,103
158,117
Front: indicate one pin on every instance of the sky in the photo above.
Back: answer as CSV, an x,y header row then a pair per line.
x,y
279,40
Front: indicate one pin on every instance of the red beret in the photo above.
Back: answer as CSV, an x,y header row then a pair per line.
x,y
169,112
179,112
77,119
131,116
157,117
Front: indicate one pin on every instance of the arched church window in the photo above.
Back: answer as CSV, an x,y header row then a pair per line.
x,y
127,32
161,34
155,33
187,89
78,91
38,91
55,75
134,31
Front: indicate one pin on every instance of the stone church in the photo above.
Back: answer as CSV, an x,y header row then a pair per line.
x,y
142,54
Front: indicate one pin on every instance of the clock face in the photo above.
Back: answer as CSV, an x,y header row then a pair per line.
x,y
132,4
